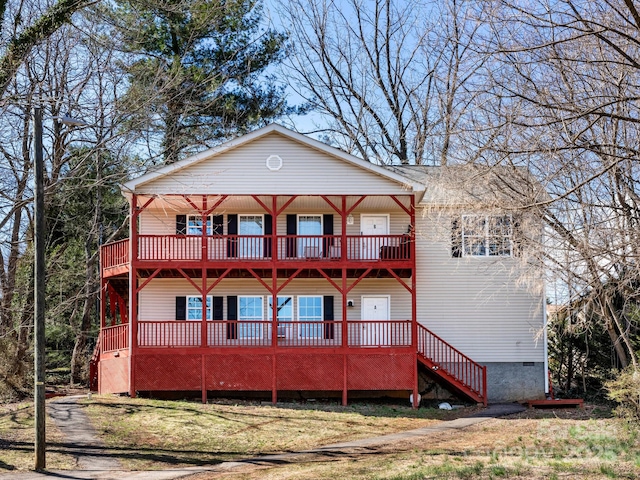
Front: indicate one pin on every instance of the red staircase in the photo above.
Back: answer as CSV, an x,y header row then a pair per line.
x,y
453,366
93,367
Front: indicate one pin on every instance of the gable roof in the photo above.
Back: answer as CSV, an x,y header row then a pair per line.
x,y
167,170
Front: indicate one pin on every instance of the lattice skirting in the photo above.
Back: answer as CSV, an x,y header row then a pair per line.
x,y
258,372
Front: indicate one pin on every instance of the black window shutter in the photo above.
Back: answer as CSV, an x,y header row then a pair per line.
x,y
328,317
181,224
292,229
516,236
327,229
268,230
217,223
456,238
232,229
181,308
218,308
232,314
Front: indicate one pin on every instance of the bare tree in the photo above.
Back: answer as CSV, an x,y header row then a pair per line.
x,y
567,86
396,79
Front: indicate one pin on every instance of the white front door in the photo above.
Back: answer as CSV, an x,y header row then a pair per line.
x,y
373,225
376,330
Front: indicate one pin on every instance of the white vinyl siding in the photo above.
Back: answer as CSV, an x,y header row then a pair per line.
x,y
157,299
304,171
484,309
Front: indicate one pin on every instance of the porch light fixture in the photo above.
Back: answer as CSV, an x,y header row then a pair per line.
x,y
349,219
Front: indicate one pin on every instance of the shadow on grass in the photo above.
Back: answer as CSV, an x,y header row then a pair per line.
x,y
153,455
129,406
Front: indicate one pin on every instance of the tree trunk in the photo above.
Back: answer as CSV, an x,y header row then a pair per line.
x,y
79,357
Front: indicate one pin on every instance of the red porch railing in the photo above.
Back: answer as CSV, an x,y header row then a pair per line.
x,y
240,333
381,333
115,254
169,333
115,337
259,247
447,361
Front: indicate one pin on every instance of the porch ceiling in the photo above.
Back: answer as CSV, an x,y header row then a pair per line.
x,y
282,273
245,203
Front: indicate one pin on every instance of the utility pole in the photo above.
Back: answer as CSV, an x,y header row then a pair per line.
x,y
39,294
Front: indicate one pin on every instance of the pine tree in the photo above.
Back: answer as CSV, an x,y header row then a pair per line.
x,y
200,70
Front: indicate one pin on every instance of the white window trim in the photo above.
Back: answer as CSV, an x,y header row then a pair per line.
x,y
284,325
362,297
386,215
485,236
301,246
303,327
251,242
240,215
255,327
209,310
209,224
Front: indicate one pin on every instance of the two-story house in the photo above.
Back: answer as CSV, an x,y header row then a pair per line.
x,y
276,263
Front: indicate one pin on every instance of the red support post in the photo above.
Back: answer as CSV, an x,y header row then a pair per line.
x,y
203,290
133,294
414,303
274,297
345,329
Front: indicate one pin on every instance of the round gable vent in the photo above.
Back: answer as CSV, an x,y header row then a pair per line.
x,y
274,162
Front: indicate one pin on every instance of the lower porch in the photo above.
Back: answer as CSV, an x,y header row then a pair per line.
x,y
215,370
224,356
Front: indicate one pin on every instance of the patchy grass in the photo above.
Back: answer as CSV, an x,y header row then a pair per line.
x,y
562,444
153,434
17,436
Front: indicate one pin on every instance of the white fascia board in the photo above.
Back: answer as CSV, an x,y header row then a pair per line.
x,y
133,185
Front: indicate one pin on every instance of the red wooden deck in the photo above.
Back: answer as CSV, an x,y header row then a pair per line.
x,y
236,355
557,403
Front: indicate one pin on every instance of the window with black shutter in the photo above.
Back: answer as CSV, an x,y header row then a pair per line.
x,y
218,225
181,224
456,238
218,303
268,230
328,317
327,229
181,308
232,229
292,229
232,317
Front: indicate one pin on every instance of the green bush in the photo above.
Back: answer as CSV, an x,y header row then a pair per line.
x,y
625,391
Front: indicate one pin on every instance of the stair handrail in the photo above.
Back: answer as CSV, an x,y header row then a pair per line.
x,y
479,383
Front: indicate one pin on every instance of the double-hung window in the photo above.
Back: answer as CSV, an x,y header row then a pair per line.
x,y
250,316
194,308
284,315
487,235
251,231
310,232
310,316
194,225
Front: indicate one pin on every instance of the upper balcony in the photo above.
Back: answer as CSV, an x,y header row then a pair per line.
x,y
291,251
